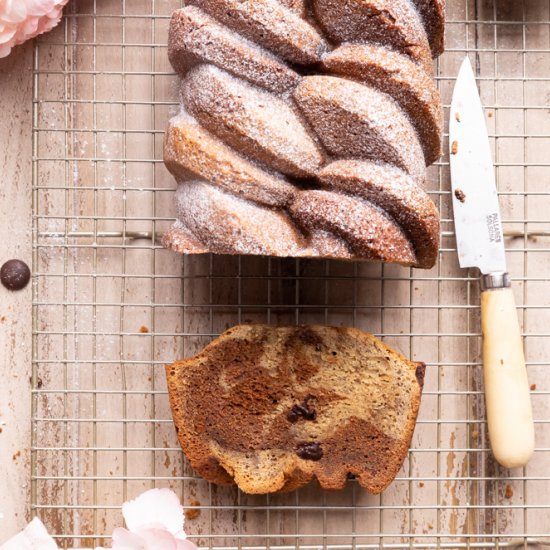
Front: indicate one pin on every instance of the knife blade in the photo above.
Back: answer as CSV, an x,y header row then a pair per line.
x,y
478,224
480,243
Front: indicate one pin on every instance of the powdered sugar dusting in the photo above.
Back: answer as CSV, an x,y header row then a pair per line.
x,y
401,79
251,120
256,135
197,38
241,227
356,121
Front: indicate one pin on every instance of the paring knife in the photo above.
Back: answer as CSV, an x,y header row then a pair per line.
x,y
480,244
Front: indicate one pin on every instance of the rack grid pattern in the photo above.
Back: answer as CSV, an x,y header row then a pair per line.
x,y
111,307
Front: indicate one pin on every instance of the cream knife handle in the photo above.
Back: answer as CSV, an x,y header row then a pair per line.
x,y
507,397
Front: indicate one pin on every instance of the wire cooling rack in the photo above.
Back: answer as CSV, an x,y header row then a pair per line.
x,y
111,307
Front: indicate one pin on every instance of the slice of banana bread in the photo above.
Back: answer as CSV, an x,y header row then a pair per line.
x,y
271,408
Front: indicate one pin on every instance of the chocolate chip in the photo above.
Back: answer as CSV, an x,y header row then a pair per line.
x,y
15,274
303,410
309,451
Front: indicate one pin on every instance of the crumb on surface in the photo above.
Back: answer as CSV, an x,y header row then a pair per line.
x,y
143,329
457,116
509,492
490,114
454,148
16,455
421,484
2,318
533,387
430,526
475,434
193,513
459,194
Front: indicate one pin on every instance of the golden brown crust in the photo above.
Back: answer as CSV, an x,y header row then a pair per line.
x,y
400,78
393,191
392,23
190,150
252,121
261,126
196,38
370,233
232,405
433,14
270,24
358,122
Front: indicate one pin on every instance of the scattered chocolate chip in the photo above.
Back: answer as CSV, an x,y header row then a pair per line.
x,y
193,513
459,194
303,410
454,148
15,274
309,451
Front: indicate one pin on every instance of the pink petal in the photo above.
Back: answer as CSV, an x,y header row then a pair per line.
x,y
154,508
7,32
43,7
185,545
124,540
33,537
21,20
5,49
158,539
13,11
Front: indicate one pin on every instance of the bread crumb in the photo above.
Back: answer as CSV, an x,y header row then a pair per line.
x,y
16,455
490,114
2,319
457,116
533,387
421,484
143,329
475,434
430,526
459,194
454,148
193,513
509,493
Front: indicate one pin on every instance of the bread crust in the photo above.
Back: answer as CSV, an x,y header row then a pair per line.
x,y
232,406
433,14
401,79
268,104
393,23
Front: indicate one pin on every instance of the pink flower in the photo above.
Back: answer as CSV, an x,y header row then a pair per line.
x,y
21,20
155,522
33,537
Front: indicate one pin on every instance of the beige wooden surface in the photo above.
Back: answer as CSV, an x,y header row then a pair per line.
x,y
15,307
111,307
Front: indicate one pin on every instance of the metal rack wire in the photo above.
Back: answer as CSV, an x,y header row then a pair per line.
x,y
111,307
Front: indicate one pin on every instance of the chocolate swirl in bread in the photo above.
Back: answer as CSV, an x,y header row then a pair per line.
x,y
306,128
271,408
